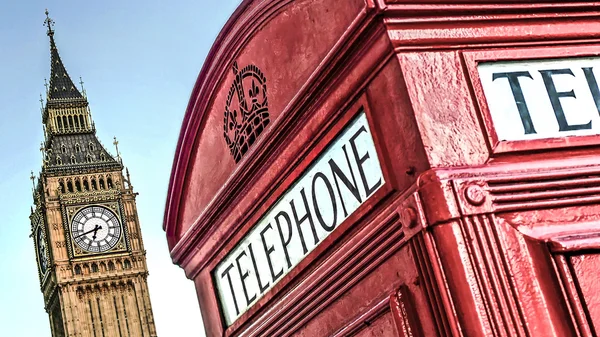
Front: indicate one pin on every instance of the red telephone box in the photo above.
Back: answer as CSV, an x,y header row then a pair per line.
x,y
394,168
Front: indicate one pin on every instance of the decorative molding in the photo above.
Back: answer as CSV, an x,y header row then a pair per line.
x,y
404,313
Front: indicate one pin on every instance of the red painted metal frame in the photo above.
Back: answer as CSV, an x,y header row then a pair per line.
x,y
473,58
468,237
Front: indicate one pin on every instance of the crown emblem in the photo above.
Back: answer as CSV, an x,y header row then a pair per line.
x,y
246,110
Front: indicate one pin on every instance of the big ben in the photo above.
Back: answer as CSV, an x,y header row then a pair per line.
x,y
84,223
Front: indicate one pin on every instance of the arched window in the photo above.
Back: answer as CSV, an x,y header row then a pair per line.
x,y
109,182
59,122
77,147
71,122
70,186
91,146
77,270
126,264
63,148
58,160
102,266
102,157
76,121
62,187
64,123
101,182
94,268
81,123
86,185
78,185
111,266
89,158
73,159
94,186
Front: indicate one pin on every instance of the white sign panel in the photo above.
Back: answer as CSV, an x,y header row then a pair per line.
x,y
333,187
543,99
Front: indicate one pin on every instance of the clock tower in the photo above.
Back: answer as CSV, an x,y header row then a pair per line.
x,y
90,255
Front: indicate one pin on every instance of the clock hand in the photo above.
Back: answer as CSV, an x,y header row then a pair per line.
x,y
88,232
95,232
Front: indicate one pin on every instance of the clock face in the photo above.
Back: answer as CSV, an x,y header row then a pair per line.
x,y
96,229
41,250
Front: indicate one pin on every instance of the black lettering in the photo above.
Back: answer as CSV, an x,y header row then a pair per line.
x,y
299,221
555,97
268,252
285,242
260,286
593,85
517,91
243,277
226,273
331,227
360,161
335,170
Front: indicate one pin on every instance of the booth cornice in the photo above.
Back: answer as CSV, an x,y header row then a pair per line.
x,y
251,15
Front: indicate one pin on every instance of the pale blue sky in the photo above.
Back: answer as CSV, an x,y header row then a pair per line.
x,y
139,61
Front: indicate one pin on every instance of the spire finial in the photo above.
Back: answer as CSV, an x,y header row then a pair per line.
x,y
116,144
32,180
82,88
128,180
46,85
42,104
49,23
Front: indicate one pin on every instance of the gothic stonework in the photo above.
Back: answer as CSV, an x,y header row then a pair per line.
x,y
90,254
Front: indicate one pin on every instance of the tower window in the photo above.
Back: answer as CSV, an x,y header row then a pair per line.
x,y
77,147
86,185
91,146
81,123
101,181
111,266
63,148
89,158
73,159
102,157
94,268
77,270
78,185
58,160
70,186
62,186
126,264
109,182
94,186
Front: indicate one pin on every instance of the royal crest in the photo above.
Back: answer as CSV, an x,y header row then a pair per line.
x,y
246,110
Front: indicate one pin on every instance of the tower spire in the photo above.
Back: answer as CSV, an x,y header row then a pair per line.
x,y
61,86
